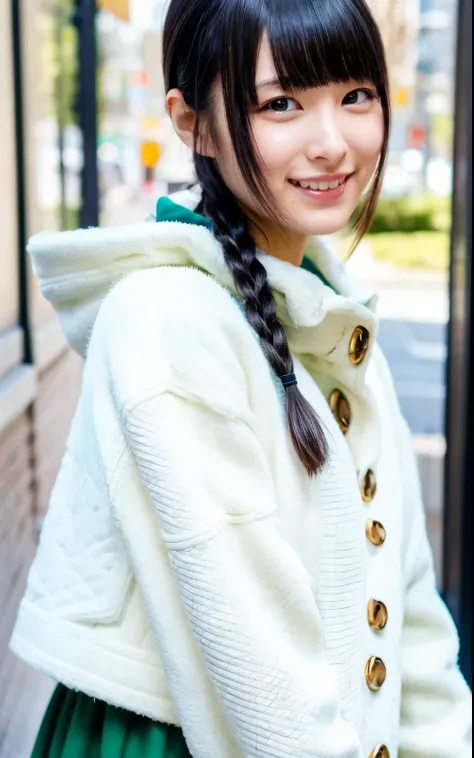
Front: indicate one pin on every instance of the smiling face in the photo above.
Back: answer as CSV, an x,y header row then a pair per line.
x,y
318,150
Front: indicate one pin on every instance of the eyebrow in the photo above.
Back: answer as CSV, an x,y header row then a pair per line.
x,y
269,83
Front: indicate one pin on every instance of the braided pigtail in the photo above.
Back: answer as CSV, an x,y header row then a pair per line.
x,y
204,56
230,226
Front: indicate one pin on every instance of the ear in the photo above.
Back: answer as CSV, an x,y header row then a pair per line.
x,y
184,121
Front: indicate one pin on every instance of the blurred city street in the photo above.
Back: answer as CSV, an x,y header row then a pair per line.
x,y
416,352
414,311
86,142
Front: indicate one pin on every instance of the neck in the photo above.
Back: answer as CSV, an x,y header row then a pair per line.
x,y
278,242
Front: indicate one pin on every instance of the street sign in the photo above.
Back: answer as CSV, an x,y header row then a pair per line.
x,y
402,98
151,154
417,137
120,8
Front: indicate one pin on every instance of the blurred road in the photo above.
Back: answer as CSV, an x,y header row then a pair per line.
x,y
414,311
416,352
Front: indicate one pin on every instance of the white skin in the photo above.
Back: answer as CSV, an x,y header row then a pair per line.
x,y
329,132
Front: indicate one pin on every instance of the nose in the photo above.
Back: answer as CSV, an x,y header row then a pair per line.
x,y
327,142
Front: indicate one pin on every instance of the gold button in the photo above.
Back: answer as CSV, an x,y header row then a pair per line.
x,y
359,345
375,532
381,751
375,674
369,487
378,615
341,410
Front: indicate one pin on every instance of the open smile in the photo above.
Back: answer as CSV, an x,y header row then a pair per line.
x,y
323,189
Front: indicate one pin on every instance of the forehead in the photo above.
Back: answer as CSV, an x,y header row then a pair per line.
x,y
265,70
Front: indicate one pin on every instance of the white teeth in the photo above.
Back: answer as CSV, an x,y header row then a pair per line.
x,y
320,186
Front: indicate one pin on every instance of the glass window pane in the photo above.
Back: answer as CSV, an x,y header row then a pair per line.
x,y
8,215
54,141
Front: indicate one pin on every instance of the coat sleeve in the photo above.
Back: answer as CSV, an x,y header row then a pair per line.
x,y
436,717
255,632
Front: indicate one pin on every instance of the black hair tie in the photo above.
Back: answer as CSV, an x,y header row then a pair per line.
x,y
289,380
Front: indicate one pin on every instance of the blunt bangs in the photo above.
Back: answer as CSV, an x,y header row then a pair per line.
x,y
316,43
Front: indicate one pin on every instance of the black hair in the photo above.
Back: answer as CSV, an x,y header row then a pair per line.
x,y
314,43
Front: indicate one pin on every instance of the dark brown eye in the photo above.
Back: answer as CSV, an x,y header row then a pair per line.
x,y
358,97
282,105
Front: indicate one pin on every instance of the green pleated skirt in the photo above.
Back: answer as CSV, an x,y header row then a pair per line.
x,y
76,726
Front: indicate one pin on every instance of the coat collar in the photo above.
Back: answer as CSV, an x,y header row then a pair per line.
x,y
318,303
319,259
169,210
321,309
77,269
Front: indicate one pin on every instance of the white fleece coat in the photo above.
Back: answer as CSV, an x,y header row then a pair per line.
x,y
189,570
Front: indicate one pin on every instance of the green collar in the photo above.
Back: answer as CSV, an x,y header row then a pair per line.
x,y
167,210
309,265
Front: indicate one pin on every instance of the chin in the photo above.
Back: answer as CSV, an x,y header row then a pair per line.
x,y
328,226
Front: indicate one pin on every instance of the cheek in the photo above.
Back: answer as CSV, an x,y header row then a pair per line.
x,y
278,145
366,142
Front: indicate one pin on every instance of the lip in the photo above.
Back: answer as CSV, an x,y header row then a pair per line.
x,y
325,196
323,178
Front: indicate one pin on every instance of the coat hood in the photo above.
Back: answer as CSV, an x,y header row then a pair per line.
x,y
77,269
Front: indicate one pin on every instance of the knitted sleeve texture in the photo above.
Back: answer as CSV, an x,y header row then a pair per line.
x,y
244,593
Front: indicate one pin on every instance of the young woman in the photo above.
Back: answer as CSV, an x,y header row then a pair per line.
x,y
235,561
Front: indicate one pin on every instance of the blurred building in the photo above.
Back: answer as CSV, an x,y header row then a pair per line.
x,y
437,41
436,85
39,377
399,23
132,117
420,40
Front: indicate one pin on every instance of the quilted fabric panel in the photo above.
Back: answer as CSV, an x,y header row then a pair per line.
x,y
86,574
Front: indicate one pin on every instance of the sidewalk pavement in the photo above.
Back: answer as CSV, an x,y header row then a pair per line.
x,y
407,295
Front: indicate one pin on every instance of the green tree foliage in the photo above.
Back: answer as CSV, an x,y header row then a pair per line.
x,y
58,61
